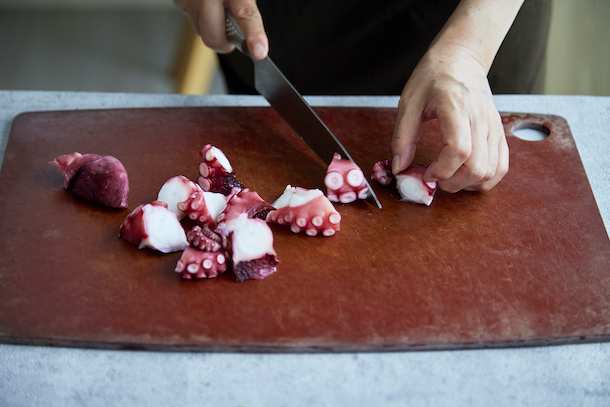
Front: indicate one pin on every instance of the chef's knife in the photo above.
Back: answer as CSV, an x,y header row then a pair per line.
x,y
288,102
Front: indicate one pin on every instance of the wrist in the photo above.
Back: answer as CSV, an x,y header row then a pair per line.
x,y
476,29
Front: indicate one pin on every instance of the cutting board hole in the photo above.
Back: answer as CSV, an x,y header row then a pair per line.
x,y
531,131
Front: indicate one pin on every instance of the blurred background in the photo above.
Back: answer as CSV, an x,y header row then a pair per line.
x,y
146,46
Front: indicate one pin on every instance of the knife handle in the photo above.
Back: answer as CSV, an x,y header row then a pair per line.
x,y
235,34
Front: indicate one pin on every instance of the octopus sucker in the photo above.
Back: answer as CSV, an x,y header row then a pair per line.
x,y
329,232
347,197
334,218
204,170
102,179
409,183
345,181
305,210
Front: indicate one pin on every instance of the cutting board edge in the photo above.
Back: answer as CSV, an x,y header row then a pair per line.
x,y
303,349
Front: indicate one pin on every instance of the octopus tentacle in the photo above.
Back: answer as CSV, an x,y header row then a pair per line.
x,y
345,181
215,172
196,264
252,252
412,187
207,239
245,201
409,183
305,210
382,173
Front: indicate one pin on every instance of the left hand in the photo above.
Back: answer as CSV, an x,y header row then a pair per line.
x,y
450,84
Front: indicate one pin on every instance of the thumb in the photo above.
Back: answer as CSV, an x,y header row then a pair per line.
x,y
407,131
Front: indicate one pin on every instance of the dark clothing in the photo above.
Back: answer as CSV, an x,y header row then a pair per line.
x,y
359,47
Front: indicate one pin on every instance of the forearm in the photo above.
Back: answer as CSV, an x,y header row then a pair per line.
x,y
478,28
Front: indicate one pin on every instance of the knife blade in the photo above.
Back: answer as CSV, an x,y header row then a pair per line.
x,y
271,83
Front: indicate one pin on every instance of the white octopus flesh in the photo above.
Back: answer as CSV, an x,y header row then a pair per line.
x,y
252,252
186,198
154,226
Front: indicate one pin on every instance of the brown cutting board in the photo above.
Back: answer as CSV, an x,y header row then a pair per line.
x,y
527,263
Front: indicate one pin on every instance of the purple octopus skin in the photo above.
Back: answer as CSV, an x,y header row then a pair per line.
x,y
102,179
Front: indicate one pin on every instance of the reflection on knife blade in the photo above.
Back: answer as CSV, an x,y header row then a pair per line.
x,y
286,100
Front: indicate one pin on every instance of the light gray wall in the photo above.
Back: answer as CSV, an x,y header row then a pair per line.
x,y
578,56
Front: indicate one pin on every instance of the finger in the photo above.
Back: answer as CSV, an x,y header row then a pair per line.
x,y
251,23
475,168
407,131
501,170
211,26
457,147
495,138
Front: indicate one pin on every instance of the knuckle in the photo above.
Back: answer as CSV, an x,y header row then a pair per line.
x,y
462,151
478,173
448,187
246,12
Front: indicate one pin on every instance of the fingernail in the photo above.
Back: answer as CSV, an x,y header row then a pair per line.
x,y
258,52
396,168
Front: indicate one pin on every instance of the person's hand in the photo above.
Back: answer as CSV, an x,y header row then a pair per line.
x,y
450,84
208,19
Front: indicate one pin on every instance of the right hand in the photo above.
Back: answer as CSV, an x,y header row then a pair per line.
x,y
208,19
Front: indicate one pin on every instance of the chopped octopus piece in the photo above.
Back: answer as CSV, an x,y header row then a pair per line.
x,y
207,255
102,179
382,173
196,264
196,208
412,187
306,210
248,202
345,181
410,182
207,239
175,190
154,226
215,172
252,252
